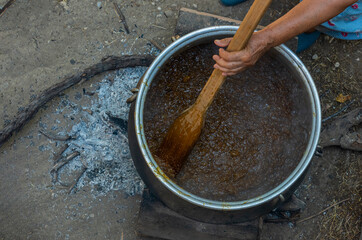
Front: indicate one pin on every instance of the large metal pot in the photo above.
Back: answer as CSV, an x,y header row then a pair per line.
x,y
187,203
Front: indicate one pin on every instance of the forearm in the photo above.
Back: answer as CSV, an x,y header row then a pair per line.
x,y
304,16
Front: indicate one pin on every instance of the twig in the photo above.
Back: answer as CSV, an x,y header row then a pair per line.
x,y
153,25
77,180
121,17
321,212
58,156
107,63
59,165
337,113
55,138
6,6
67,159
154,43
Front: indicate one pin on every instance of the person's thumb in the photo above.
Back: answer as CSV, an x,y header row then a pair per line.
x,y
222,42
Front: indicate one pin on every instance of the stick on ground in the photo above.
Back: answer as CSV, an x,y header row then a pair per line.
x,y
55,138
77,180
6,6
321,212
60,164
121,17
154,43
108,63
67,159
58,156
337,113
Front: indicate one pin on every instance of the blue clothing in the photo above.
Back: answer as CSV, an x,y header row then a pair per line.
x,y
347,25
305,40
231,2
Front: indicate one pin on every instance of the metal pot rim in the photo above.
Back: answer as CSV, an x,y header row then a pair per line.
x,y
275,193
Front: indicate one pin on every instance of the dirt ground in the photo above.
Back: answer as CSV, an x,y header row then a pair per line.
x,y
43,41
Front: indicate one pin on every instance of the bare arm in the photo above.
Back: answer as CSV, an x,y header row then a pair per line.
x,y
303,17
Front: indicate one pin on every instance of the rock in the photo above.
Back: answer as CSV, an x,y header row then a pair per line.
x,y
99,5
337,64
168,13
315,57
159,8
194,5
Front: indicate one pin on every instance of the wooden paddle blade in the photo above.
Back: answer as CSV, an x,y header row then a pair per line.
x,y
181,138
185,131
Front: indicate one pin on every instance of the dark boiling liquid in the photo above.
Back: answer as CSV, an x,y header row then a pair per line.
x,y
255,131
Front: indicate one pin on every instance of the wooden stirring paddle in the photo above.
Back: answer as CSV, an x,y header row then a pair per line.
x,y
185,131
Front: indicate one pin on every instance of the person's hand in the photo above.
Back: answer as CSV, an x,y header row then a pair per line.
x,y
231,63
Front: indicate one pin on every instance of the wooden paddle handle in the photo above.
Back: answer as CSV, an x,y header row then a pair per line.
x,y
248,25
239,42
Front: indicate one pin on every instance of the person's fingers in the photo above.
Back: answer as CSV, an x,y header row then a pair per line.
x,y
230,56
216,58
225,64
235,71
222,42
243,56
229,72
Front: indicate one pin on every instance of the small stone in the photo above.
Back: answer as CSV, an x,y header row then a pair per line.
x,y
337,64
357,59
91,215
159,8
153,3
168,13
315,57
124,151
194,5
99,5
72,61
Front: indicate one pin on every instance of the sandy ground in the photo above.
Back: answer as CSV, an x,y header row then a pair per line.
x,y
42,41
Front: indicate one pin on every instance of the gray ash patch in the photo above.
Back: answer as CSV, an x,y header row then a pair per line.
x,y
101,138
